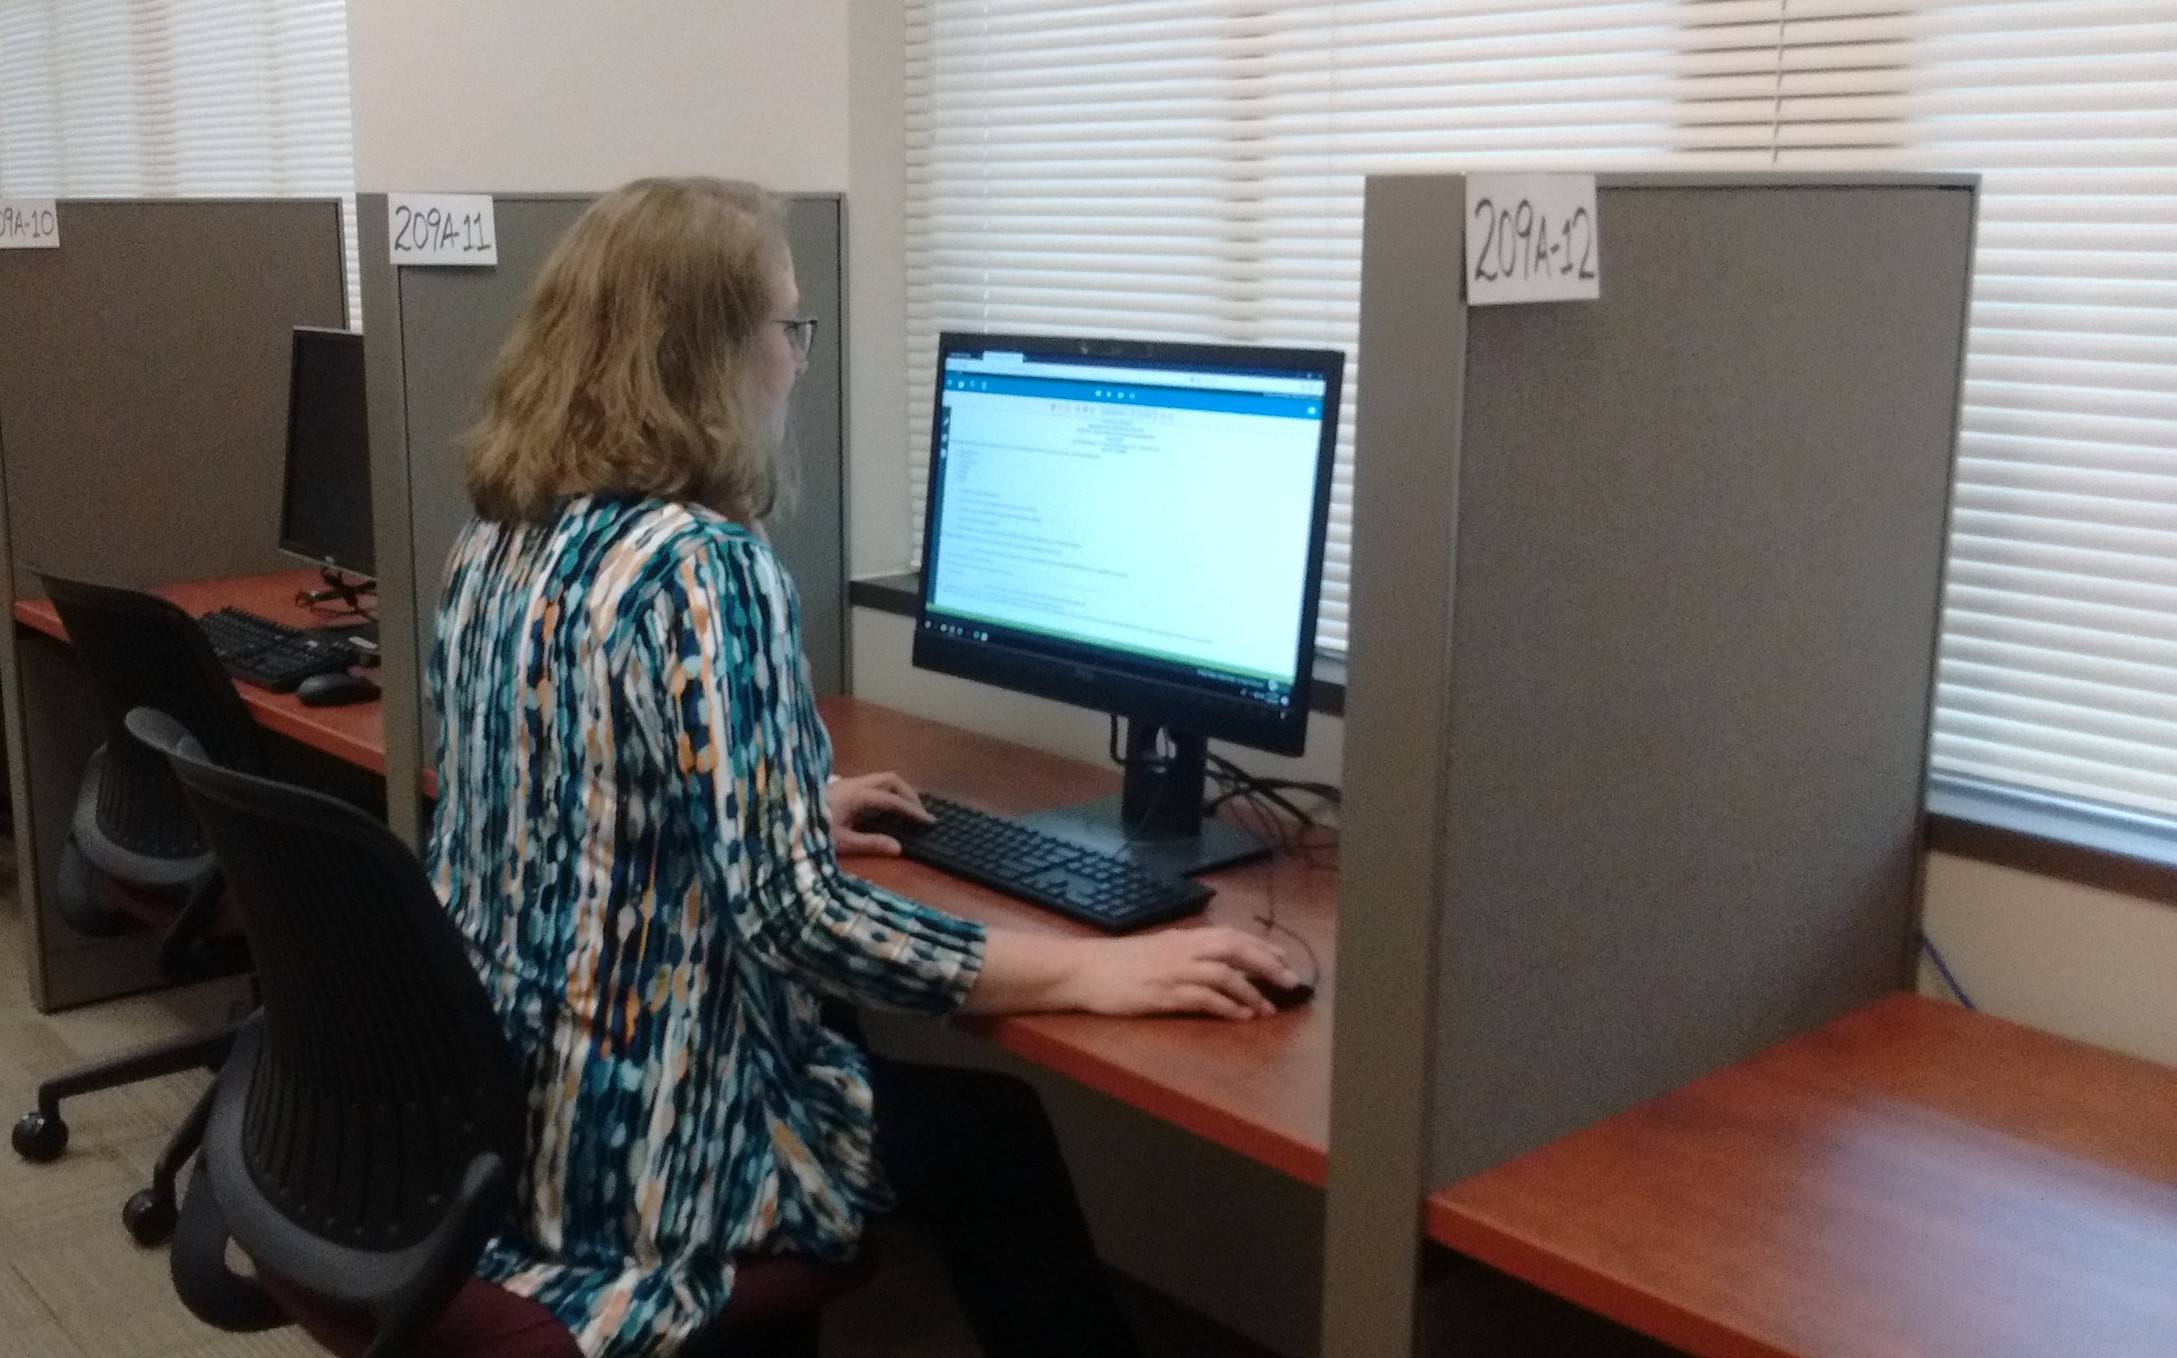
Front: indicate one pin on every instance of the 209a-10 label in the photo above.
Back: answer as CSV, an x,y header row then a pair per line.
x,y
29,224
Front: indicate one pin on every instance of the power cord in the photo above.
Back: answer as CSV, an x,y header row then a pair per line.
x,y
1287,827
1269,827
1275,798
1927,946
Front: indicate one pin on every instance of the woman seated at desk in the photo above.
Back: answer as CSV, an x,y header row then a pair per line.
x,y
636,833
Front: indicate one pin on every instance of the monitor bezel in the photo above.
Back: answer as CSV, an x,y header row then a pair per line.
x,y
1080,680
289,544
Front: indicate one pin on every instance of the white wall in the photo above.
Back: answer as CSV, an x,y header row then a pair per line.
x,y
2071,959
582,95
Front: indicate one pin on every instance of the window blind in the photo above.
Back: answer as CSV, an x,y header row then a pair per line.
x,y
2059,648
182,98
1192,170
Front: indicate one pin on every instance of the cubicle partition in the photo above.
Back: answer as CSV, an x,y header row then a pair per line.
x,y
432,336
143,412
1645,606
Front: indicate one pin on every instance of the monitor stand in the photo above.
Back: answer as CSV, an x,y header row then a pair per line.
x,y
1157,818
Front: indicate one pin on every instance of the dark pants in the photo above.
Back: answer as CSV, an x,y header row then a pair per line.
x,y
973,1159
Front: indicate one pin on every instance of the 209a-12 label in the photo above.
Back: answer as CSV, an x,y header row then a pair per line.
x,y
1532,238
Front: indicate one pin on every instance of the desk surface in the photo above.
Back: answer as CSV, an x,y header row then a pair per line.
x,y
355,734
1261,1088
1913,1179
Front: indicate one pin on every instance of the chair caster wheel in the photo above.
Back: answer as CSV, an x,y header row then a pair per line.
x,y
149,1218
39,1138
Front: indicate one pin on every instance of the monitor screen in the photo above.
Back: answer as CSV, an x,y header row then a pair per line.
x,y
1131,526
325,505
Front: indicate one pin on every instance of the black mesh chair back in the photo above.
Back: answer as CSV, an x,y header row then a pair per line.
x,y
139,650
365,1130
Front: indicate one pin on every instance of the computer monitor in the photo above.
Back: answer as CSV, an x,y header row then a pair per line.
x,y
1137,528
325,502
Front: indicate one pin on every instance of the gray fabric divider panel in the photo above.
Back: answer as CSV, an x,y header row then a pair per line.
x,y
143,423
1698,567
452,324
144,383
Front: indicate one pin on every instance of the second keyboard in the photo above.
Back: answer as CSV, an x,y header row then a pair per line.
x,y
268,654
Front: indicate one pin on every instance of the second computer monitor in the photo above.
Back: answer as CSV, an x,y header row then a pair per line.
x,y
325,512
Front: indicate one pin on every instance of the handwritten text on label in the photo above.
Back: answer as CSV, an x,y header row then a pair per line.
x,y
1532,238
29,224
442,228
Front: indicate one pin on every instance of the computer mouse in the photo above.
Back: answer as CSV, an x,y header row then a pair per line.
x,y
335,690
1285,996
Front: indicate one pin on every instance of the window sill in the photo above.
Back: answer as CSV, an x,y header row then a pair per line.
x,y
902,594
2131,853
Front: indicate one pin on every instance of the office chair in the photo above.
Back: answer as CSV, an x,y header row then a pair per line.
x,y
134,859
373,1022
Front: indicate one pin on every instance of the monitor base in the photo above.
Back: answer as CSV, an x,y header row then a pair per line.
x,y
1098,825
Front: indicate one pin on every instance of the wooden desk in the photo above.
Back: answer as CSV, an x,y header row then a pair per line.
x,y
1261,1088
1913,1179
354,734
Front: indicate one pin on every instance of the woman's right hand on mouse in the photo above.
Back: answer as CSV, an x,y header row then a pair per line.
x,y
1175,971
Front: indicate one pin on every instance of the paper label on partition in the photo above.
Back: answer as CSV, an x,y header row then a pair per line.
x,y
438,229
1532,238
29,224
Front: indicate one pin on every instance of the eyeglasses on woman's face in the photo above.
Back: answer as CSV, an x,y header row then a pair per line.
x,y
800,332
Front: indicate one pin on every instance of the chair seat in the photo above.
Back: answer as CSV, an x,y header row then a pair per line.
x,y
483,1320
772,1287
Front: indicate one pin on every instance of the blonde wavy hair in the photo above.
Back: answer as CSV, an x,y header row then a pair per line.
x,y
628,371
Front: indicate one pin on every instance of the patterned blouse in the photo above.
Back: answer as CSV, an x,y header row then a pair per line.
x,y
631,833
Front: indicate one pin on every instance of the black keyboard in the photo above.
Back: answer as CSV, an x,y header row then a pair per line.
x,y
271,655
1112,893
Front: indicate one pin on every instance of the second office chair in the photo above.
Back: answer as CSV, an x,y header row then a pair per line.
x,y
134,858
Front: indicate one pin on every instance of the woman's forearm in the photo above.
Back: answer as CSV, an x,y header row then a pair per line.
x,y
1026,973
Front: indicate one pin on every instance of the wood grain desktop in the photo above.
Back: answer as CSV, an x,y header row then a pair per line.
x,y
1260,1087
354,734
1913,1179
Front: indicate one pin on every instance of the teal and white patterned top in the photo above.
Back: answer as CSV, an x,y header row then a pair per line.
x,y
631,833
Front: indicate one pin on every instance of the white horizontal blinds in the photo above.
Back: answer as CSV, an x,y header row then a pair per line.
x,y
1110,170
67,65
2059,648
189,98
1194,170
2059,659
1776,80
